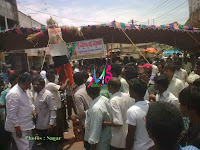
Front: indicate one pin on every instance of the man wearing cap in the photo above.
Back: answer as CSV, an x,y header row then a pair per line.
x,y
144,73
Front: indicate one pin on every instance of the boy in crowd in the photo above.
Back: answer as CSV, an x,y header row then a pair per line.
x,y
194,74
164,124
190,107
137,137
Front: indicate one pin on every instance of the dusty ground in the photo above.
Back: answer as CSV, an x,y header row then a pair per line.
x,y
72,143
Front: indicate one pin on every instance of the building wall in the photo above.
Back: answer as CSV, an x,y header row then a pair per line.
x,y
8,10
27,21
193,5
194,9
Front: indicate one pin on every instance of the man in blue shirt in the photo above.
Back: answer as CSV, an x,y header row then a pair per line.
x,y
4,75
5,137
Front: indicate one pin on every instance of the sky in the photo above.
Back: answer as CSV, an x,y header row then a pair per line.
x,y
90,12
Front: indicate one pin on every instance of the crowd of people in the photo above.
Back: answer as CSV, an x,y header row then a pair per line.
x,y
146,105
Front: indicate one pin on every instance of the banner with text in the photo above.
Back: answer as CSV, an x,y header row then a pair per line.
x,y
86,49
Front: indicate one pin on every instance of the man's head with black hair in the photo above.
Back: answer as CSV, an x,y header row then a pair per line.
x,y
114,85
132,59
85,75
197,67
34,73
137,88
164,124
93,92
161,65
50,75
190,103
24,81
91,69
38,83
130,72
4,69
169,70
177,63
116,70
161,83
99,71
145,74
131,64
78,78
13,78
149,60
197,82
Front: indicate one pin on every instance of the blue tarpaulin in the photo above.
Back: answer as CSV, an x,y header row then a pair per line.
x,y
171,52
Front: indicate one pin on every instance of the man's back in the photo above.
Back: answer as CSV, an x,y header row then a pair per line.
x,y
120,103
182,75
175,86
95,116
136,117
82,102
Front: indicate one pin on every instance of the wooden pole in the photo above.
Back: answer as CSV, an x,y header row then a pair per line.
x,y
135,46
45,56
70,88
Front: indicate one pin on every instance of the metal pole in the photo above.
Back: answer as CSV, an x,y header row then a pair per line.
x,y
148,21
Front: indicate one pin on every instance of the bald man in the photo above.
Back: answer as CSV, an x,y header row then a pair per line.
x,y
120,103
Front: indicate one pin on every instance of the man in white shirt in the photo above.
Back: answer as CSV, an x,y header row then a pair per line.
x,y
96,135
176,85
137,137
180,73
76,68
195,74
20,112
154,70
116,70
54,89
187,65
161,84
120,103
46,113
